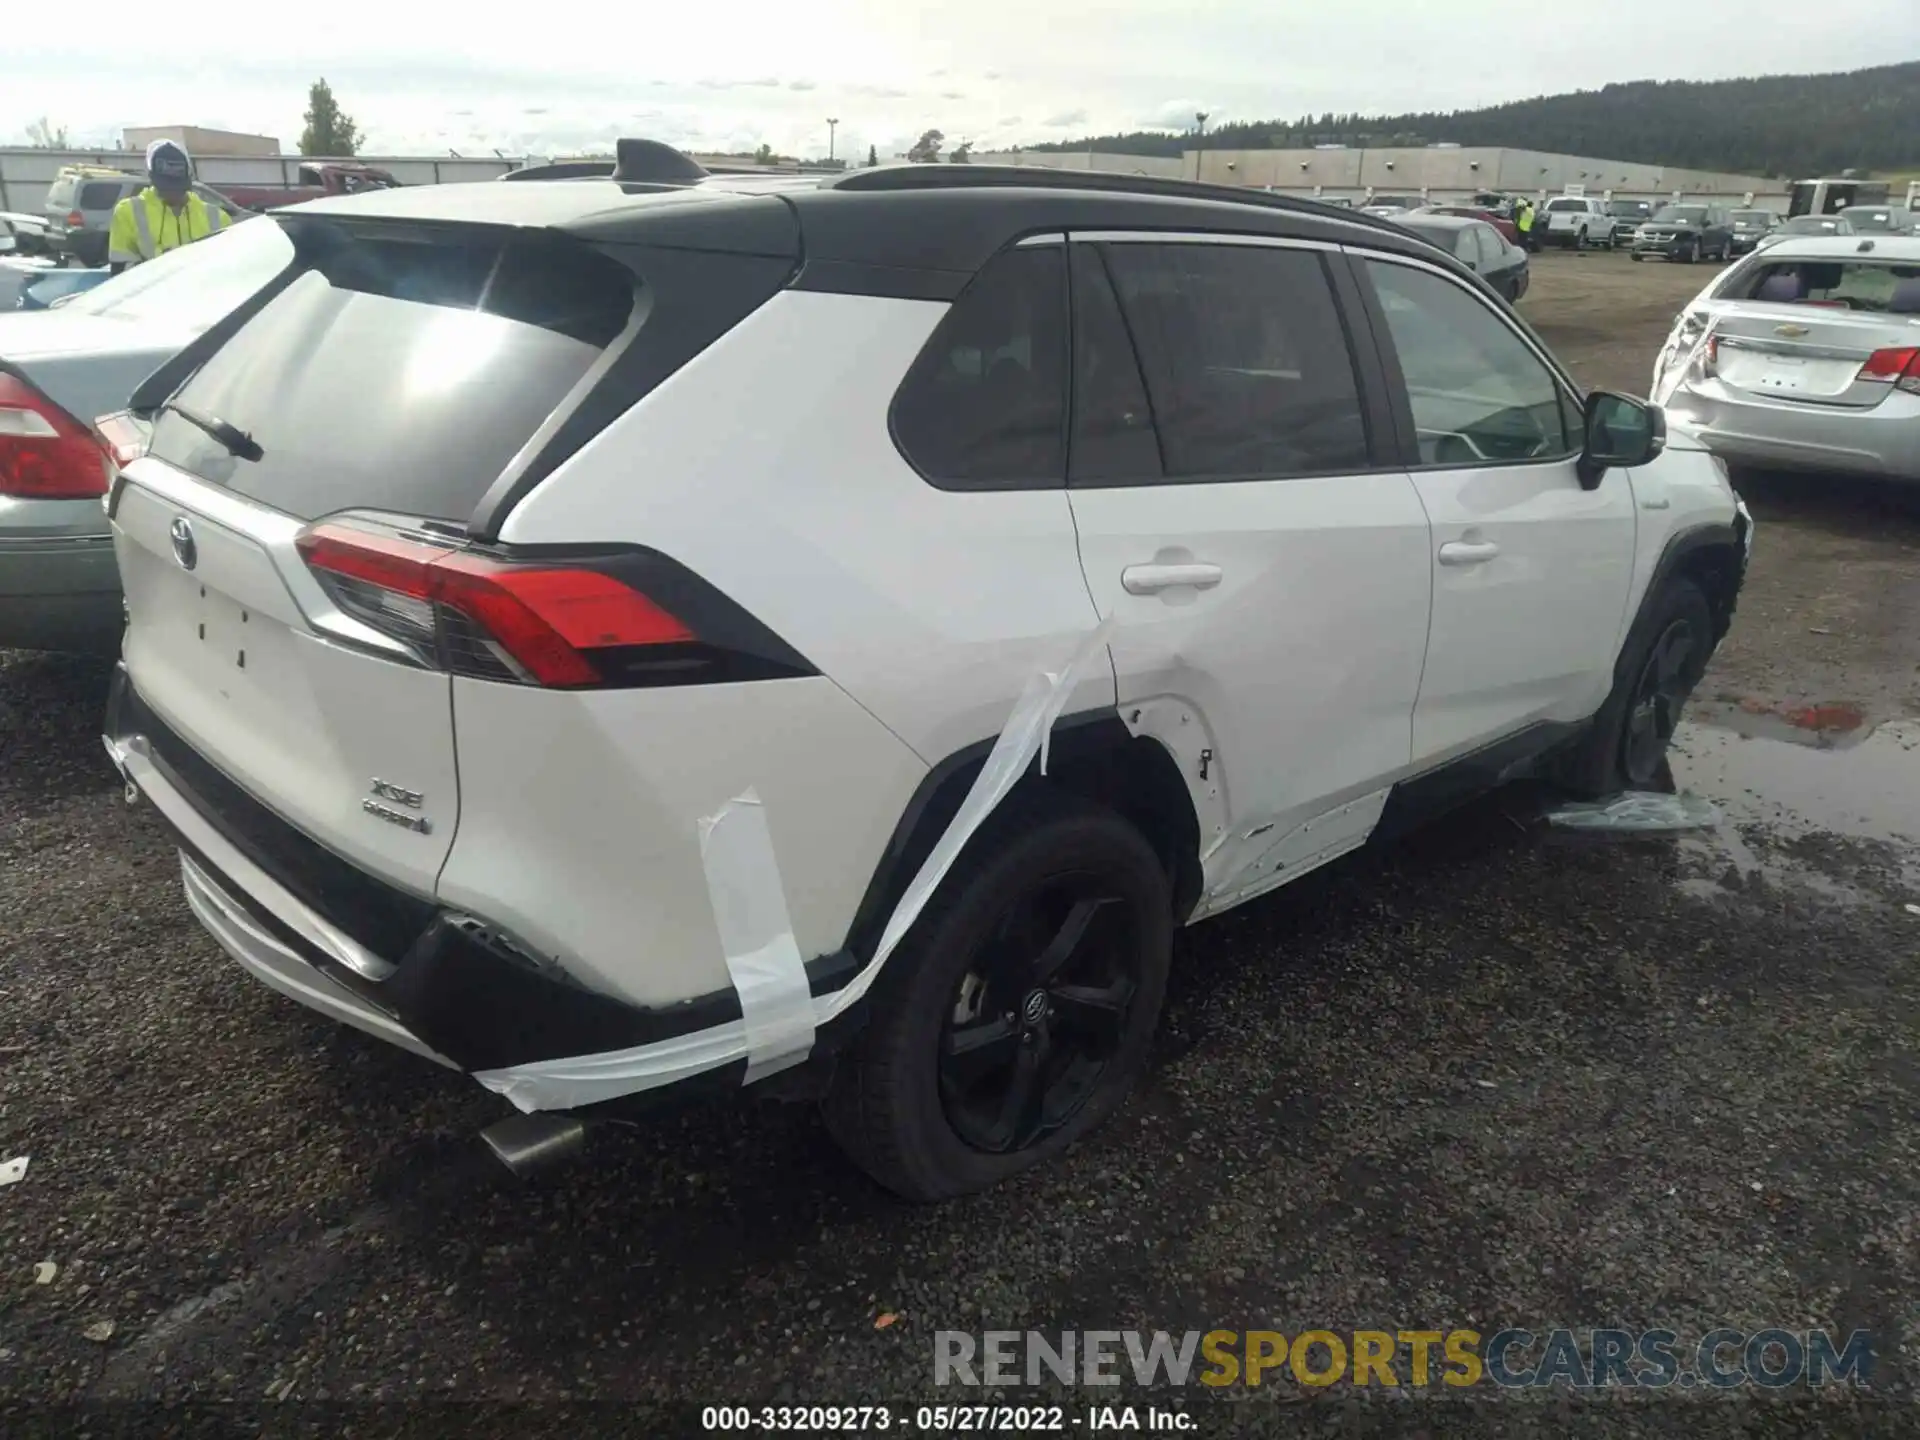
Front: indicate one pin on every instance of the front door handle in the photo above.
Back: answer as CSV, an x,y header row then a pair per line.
x,y
1152,579
1468,552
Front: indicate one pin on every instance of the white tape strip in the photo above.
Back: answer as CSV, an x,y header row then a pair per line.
x,y
762,956
1028,732
750,907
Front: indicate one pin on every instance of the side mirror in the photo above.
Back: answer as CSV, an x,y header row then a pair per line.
x,y
1621,433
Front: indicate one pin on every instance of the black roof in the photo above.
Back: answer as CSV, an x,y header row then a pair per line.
x,y
920,231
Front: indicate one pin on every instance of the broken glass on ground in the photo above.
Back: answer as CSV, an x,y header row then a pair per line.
x,y
1637,812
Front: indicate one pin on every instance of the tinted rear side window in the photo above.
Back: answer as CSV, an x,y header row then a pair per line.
x,y
100,195
1246,360
403,369
984,406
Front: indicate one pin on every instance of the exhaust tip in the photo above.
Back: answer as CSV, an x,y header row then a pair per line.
x,y
526,1144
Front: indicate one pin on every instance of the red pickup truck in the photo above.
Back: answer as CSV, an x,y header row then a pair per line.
x,y
314,182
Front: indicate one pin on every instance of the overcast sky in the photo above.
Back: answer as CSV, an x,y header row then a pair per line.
x,y
427,76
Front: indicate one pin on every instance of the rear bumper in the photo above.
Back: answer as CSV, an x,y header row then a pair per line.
x,y
1884,440
444,984
59,592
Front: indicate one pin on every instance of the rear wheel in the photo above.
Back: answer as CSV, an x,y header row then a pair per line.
x,y
1017,1013
1665,655
1636,257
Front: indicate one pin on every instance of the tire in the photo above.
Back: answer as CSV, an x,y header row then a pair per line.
x,y
1651,684
931,1119
1636,256
1580,241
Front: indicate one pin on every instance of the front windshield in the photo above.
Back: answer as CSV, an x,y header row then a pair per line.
x,y
1868,219
1751,217
1816,225
193,285
1682,214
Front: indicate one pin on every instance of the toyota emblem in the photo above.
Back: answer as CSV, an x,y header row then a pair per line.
x,y
184,548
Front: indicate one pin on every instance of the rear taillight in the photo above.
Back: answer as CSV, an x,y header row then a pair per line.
x,y
124,436
1899,368
46,454
567,624
75,219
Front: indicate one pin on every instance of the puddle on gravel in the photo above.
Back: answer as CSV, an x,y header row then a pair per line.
x,y
1870,788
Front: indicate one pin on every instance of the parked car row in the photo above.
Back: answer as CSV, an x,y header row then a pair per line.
x,y
435,494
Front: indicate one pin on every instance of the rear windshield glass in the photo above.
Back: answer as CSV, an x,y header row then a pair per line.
x,y
1682,214
1442,236
100,195
1881,289
192,286
1751,217
402,369
1564,207
1817,225
1629,207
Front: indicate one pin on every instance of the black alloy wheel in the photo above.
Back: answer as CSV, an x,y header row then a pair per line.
x,y
1037,1019
1660,694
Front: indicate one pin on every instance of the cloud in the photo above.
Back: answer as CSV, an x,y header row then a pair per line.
x,y
992,75
801,85
953,94
1176,114
1012,120
762,84
878,92
534,110
1066,117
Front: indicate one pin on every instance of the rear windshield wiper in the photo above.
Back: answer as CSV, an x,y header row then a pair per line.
x,y
238,442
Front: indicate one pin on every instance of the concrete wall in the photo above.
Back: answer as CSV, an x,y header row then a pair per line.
x,y
200,141
26,173
1444,174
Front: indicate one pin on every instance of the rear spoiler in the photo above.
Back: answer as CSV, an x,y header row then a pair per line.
x,y
637,162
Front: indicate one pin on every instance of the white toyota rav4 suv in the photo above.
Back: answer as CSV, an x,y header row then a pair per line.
x,y
623,639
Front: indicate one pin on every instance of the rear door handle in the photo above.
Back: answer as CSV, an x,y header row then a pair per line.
x,y
1152,579
1468,552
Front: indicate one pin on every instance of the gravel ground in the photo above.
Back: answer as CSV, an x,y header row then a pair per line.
x,y
1495,1076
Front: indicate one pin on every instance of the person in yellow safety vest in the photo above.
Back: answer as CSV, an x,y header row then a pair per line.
x,y
165,215
1523,221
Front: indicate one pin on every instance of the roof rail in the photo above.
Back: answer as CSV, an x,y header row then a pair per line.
x,y
1039,177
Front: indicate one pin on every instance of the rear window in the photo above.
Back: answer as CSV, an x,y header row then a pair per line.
x,y
1628,208
100,195
1683,214
1866,218
1881,289
403,368
1751,217
1565,207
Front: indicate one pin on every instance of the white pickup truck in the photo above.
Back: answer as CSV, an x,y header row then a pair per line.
x,y
1577,221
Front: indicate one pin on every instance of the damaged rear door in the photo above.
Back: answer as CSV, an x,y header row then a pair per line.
x,y
1266,570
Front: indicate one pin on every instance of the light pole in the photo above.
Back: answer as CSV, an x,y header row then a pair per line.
x,y
833,123
1200,145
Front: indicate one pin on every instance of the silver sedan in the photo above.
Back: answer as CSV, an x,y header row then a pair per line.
x,y
1805,355
61,372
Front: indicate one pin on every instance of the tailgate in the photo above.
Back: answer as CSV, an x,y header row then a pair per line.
x,y
351,748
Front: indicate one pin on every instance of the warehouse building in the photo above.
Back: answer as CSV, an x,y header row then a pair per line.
x,y
1444,174
199,140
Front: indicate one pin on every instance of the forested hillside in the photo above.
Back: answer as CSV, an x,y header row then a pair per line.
x,y
1785,125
